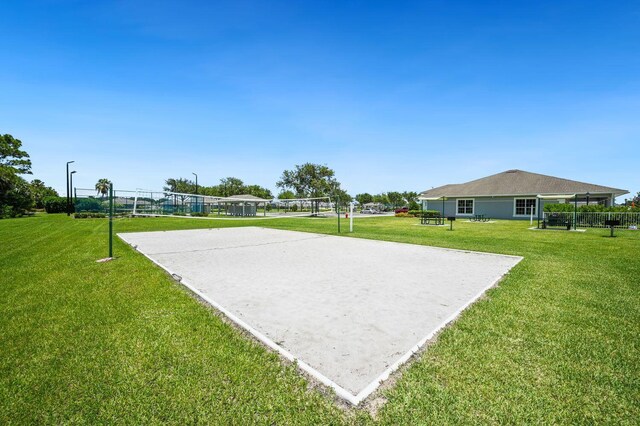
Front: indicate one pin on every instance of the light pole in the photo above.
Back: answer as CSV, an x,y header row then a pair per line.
x,y
71,188
68,162
588,198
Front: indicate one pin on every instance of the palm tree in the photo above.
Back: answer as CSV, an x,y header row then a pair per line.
x,y
102,186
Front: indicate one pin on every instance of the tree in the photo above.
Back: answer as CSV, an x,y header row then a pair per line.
x,y
341,195
102,186
411,198
395,198
40,192
180,185
15,196
15,192
364,198
286,195
310,181
213,191
258,191
381,198
12,158
231,186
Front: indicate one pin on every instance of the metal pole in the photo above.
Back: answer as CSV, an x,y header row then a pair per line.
x,y
68,213
531,215
110,220
68,196
71,193
575,211
351,217
338,211
197,206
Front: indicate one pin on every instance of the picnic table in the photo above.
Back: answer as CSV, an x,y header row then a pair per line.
x,y
556,219
480,218
431,220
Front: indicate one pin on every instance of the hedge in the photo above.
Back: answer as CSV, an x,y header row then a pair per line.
x,y
569,207
89,215
55,204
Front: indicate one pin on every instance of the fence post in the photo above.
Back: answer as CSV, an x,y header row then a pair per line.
x,y
111,220
351,217
338,211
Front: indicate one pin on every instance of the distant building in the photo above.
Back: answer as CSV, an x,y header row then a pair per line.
x,y
514,194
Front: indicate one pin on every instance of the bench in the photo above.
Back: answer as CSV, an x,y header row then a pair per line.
x,y
555,219
480,218
431,220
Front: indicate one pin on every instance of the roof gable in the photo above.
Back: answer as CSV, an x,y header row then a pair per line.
x,y
518,182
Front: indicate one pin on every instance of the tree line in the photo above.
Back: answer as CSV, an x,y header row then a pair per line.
x,y
227,187
308,180
17,195
392,198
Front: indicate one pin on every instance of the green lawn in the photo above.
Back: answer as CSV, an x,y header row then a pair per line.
x,y
80,342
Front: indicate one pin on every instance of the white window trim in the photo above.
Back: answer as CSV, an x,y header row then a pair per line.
x,y
473,206
525,204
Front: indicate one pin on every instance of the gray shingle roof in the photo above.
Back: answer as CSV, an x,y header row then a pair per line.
x,y
247,197
518,182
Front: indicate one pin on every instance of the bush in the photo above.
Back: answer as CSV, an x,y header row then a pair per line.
x,y
15,196
294,208
403,214
568,207
414,213
89,215
91,204
55,204
199,214
431,213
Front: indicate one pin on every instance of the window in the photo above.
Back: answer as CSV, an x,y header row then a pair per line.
x,y
465,206
525,206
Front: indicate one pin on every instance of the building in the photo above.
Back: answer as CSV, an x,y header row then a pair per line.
x,y
514,194
243,205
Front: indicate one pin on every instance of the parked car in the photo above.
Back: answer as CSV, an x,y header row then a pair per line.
x,y
402,210
369,211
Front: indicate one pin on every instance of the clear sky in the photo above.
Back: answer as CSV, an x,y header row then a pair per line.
x,y
392,95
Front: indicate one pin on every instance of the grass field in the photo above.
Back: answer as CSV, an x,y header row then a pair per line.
x,y
81,342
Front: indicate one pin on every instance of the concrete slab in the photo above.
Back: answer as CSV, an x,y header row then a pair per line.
x,y
349,310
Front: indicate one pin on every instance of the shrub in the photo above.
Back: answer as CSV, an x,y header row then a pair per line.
x,y
402,214
15,196
568,207
414,213
91,204
55,204
199,214
431,213
89,215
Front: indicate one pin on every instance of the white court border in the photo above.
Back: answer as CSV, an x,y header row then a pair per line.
x,y
339,390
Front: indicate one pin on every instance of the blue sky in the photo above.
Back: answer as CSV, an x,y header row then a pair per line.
x,y
391,95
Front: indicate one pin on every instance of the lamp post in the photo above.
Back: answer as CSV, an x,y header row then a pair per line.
x,y
588,198
71,189
68,162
